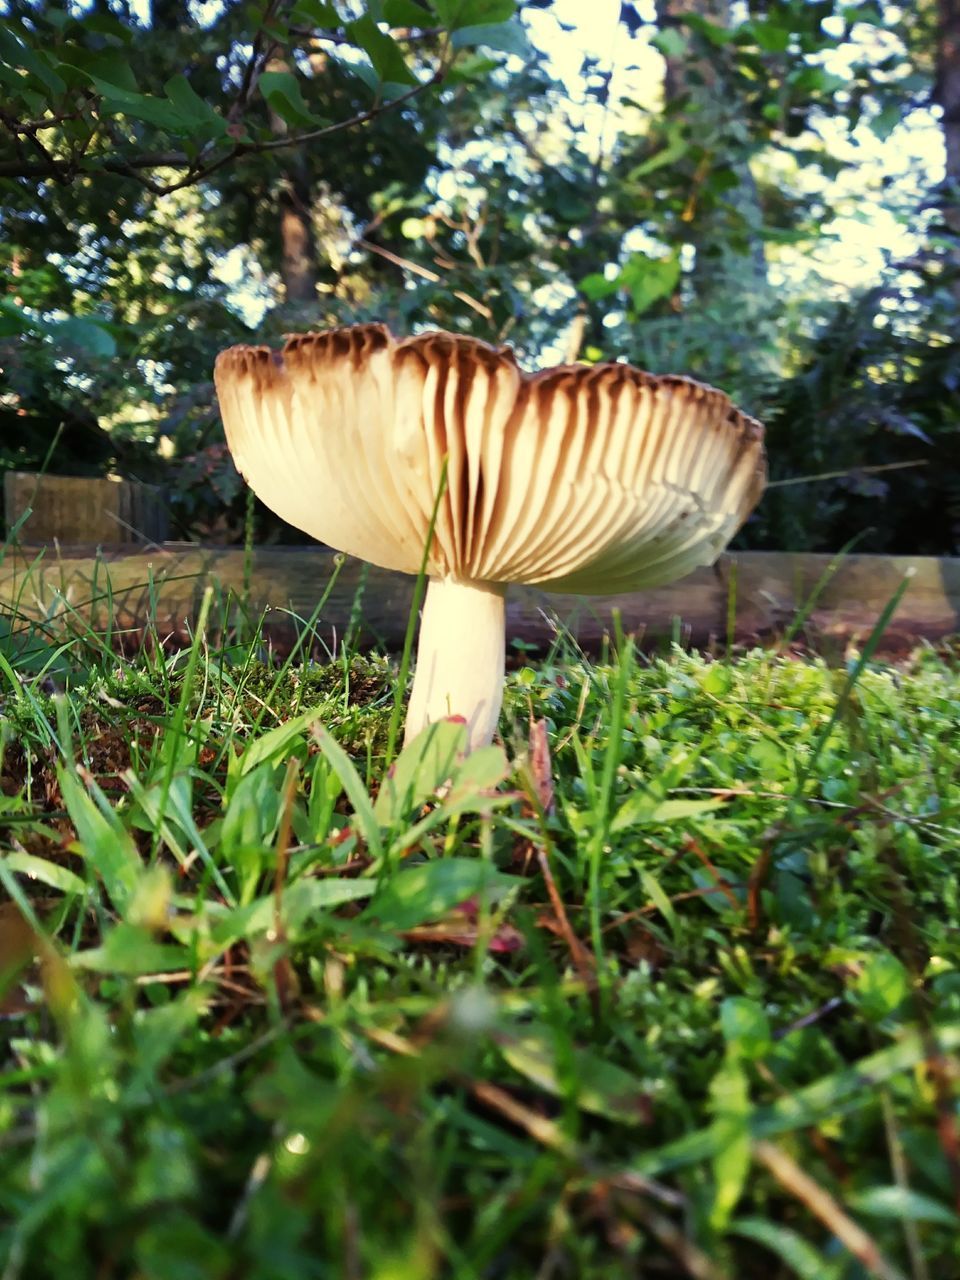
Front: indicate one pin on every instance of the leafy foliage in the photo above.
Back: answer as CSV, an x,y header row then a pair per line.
x,y
179,182
82,102
880,382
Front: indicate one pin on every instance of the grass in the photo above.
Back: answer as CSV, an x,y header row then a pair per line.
x,y
668,987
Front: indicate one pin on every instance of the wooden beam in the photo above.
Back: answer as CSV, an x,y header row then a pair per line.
x,y
91,509
764,591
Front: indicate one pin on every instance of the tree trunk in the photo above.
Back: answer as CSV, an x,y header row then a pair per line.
x,y
298,250
948,88
947,96
298,264
167,17
670,13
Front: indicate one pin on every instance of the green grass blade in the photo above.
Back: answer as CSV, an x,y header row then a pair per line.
x,y
418,592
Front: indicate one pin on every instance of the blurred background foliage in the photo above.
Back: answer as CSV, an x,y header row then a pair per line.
x,y
764,194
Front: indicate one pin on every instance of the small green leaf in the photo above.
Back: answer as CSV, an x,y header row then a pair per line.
x,y
407,13
599,1086
473,13
357,793
838,1092
281,89
422,767
717,680
671,43
507,37
103,24
159,1031
302,902
816,81
790,1247
769,35
882,987
713,32
886,120
871,14
474,785
650,279
275,745
428,890
771,759
173,1245
165,1172
669,154
110,72
20,55
746,1027
85,335
314,13
141,107
12,79
643,809
129,950
902,1203
730,1105
654,891
103,840
383,51
249,826
325,895
191,106
48,873
14,320
597,286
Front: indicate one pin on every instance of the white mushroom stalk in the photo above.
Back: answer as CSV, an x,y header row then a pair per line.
x,y
587,479
460,658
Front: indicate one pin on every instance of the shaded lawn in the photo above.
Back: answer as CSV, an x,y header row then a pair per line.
x,y
580,1011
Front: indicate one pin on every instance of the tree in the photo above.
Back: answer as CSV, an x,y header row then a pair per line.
x,y
132,164
947,96
76,106
354,182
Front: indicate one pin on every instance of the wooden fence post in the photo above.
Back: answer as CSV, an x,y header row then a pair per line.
x,y
83,511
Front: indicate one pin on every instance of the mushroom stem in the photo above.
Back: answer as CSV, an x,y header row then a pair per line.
x,y
460,658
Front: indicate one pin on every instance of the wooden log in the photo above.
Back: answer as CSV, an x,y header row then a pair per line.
x,y
74,510
761,591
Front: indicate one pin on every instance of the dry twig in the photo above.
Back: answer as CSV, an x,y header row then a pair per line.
x,y
823,1206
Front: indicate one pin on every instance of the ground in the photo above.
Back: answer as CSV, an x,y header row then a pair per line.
x,y
668,985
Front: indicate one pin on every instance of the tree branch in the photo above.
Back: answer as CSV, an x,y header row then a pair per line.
x,y
135,166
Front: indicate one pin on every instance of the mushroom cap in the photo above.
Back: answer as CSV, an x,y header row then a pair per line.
x,y
584,478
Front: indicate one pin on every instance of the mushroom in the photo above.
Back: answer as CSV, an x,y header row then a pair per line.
x,y
587,479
